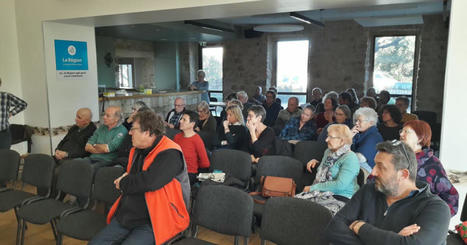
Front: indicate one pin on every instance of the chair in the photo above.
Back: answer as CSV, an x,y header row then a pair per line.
x,y
9,165
84,224
234,163
293,221
171,132
75,178
223,209
20,133
305,151
454,238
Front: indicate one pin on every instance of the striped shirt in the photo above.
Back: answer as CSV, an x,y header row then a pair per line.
x,y
9,105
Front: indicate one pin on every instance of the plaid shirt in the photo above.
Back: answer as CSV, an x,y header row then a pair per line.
x,y
9,104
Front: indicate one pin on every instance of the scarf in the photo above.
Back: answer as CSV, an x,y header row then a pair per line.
x,y
323,173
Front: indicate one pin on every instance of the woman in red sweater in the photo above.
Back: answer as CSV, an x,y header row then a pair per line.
x,y
192,145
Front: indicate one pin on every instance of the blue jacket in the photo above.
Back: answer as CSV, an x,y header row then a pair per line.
x,y
291,131
365,143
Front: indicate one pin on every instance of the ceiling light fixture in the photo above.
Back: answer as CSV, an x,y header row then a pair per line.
x,y
207,26
305,19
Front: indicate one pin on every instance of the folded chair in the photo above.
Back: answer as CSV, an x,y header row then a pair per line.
x,y
293,221
84,224
75,178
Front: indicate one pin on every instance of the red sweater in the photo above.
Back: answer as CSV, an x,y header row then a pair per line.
x,y
193,151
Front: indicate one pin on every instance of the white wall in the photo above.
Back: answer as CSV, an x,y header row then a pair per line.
x,y
453,132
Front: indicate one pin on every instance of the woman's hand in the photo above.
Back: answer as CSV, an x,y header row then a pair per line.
x,y
306,189
254,159
354,130
311,164
226,124
251,126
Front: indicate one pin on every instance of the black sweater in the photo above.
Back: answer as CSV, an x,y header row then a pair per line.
x,y
383,223
75,140
238,138
264,145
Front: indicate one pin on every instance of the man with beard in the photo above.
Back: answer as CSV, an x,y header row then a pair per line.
x,y
393,210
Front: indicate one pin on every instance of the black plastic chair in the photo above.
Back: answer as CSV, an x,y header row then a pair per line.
x,y
293,221
84,224
75,178
223,209
9,164
305,151
236,164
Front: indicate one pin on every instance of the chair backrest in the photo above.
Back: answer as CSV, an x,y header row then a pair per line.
x,y
293,221
280,166
9,163
224,209
464,210
104,187
209,139
75,178
171,132
232,162
38,170
307,150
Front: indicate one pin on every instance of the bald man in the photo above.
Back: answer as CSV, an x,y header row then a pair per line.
x,y
173,117
72,146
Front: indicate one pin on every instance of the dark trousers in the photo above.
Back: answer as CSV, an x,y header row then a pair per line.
x,y
115,233
5,139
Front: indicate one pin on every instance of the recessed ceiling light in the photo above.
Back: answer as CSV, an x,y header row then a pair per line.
x,y
278,28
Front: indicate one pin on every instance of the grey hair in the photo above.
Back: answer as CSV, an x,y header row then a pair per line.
x,y
203,106
200,71
258,111
331,94
346,110
368,113
400,159
242,94
140,104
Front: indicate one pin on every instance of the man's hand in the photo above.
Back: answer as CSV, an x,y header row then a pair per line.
x,y
117,181
61,154
409,230
90,148
101,148
356,225
311,164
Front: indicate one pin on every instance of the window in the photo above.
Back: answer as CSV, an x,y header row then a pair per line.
x,y
292,70
394,65
212,66
125,76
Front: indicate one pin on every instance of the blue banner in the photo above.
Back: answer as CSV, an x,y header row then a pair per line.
x,y
71,55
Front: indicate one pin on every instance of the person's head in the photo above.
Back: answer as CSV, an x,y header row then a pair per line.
x,y
365,118
384,97
272,88
231,96
368,101
371,92
256,114
402,103
395,166
234,114
354,95
235,102
416,134
331,94
201,75
112,116
259,90
179,104
292,104
203,110
316,93
342,113
188,120
330,104
83,117
147,125
391,113
270,97
242,96
307,113
345,99
137,106
338,136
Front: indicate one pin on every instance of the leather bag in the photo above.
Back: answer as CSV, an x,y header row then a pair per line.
x,y
275,187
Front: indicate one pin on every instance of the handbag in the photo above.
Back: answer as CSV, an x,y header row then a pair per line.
x,y
275,187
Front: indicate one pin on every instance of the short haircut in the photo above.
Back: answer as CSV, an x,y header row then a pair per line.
x,y
203,106
422,129
385,94
370,101
346,110
316,88
118,112
343,131
394,112
368,113
258,111
403,99
140,104
294,98
242,94
200,72
333,101
236,102
331,94
312,108
272,93
347,96
403,157
150,121
237,112
194,117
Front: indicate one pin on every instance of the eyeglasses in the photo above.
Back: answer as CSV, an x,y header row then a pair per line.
x,y
360,121
405,131
397,143
333,137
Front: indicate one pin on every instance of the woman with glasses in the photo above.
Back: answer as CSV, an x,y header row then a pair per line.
x,y
128,122
234,134
343,115
417,134
366,136
391,124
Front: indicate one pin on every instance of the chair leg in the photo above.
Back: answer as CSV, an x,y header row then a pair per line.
x,y
54,230
18,231
245,241
235,240
59,238
263,242
23,230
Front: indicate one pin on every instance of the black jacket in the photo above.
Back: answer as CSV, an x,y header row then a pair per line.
x,y
75,141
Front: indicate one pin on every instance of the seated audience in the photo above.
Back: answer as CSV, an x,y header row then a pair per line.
x,y
105,141
395,209
230,103
343,115
272,109
173,117
391,124
301,127
346,99
316,97
339,166
402,104
371,92
242,96
417,134
201,84
327,116
366,136
368,101
383,99
206,123
128,122
354,95
192,145
234,134
262,137
258,98
154,189
72,145
330,94
292,110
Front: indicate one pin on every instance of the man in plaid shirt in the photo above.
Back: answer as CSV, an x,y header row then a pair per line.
x,y
10,105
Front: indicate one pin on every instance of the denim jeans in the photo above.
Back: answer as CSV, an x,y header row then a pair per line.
x,y
114,233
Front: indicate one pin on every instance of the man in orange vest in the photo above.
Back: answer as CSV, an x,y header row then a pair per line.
x,y
155,189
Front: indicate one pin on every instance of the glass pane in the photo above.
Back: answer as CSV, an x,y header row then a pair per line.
x,y
125,75
285,98
393,64
292,66
212,66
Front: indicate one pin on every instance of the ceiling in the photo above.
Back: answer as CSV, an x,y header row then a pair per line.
x,y
367,16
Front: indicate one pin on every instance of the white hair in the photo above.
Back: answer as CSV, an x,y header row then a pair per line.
x,y
242,94
368,113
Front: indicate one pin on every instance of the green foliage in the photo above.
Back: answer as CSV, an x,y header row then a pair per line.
x,y
395,56
213,69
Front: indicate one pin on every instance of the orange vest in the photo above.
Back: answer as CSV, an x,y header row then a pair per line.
x,y
166,206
